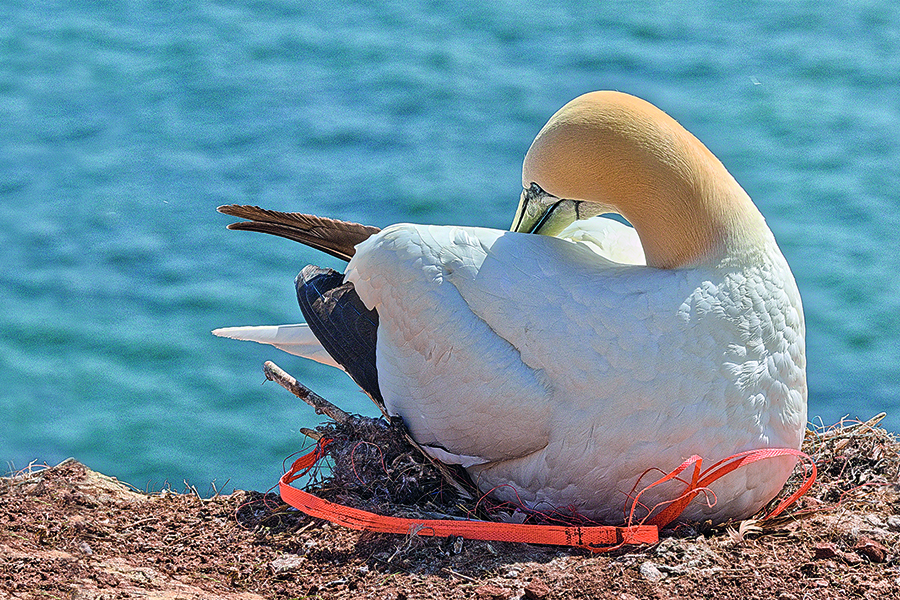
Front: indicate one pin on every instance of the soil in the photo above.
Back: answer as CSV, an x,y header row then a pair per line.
x,y
69,532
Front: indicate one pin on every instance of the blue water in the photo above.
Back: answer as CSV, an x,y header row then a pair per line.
x,y
123,126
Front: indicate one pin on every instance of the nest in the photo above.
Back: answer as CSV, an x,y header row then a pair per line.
x,y
374,465
858,462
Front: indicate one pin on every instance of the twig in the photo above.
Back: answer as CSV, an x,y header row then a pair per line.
x,y
311,433
460,575
305,527
281,377
444,470
321,405
141,522
192,489
216,490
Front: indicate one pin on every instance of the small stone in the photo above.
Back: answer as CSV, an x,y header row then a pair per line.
x,y
512,574
875,521
651,572
286,564
458,545
537,590
492,592
85,549
363,570
825,551
875,552
893,522
669,546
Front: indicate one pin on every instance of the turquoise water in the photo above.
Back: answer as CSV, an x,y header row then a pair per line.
x,y
123,126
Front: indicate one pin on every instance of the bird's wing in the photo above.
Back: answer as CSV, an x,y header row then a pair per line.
x,y
337,238
487,337
342,323
607,336
461,389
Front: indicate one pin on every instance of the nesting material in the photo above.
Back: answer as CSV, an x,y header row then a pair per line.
x,y
372,464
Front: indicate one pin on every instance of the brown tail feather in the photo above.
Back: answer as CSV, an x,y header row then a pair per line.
x,y
337,238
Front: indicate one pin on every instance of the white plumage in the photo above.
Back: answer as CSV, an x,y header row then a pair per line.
x,y
559,368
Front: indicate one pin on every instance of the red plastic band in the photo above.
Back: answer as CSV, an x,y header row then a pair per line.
x,y
595,538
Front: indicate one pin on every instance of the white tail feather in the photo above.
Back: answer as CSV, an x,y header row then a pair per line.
x,y
298,340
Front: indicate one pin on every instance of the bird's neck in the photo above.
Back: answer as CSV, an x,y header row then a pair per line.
x,y
686,230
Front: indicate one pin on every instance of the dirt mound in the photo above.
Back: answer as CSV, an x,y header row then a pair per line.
x,y
69,532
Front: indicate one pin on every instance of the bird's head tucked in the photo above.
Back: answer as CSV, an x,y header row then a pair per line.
x,y
543,213
609,152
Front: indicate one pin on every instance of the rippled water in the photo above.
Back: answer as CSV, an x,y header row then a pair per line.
x,y
123,126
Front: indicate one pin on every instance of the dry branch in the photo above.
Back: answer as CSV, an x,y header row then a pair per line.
x,y
321,405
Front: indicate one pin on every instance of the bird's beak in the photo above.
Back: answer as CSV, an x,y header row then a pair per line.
x,y
534,211
543,213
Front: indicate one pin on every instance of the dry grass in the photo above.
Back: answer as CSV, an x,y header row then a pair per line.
x,y
858,466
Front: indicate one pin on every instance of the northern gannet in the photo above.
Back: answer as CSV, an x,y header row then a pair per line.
x,y
559,368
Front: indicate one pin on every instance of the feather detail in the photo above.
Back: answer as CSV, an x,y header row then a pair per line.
x,y
337,238
342,323
297,339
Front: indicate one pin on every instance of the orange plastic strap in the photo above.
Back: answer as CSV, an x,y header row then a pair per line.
x,y
700,481
596,538
599,538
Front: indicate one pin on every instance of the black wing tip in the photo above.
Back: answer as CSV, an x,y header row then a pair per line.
x,y
342,324
310,272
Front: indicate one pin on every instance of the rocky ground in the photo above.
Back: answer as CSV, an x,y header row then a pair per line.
x,y
69,532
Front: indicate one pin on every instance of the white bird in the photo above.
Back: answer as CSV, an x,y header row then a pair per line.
x,y
559,368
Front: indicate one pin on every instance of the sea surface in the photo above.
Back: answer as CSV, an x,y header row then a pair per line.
x,y
123,125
